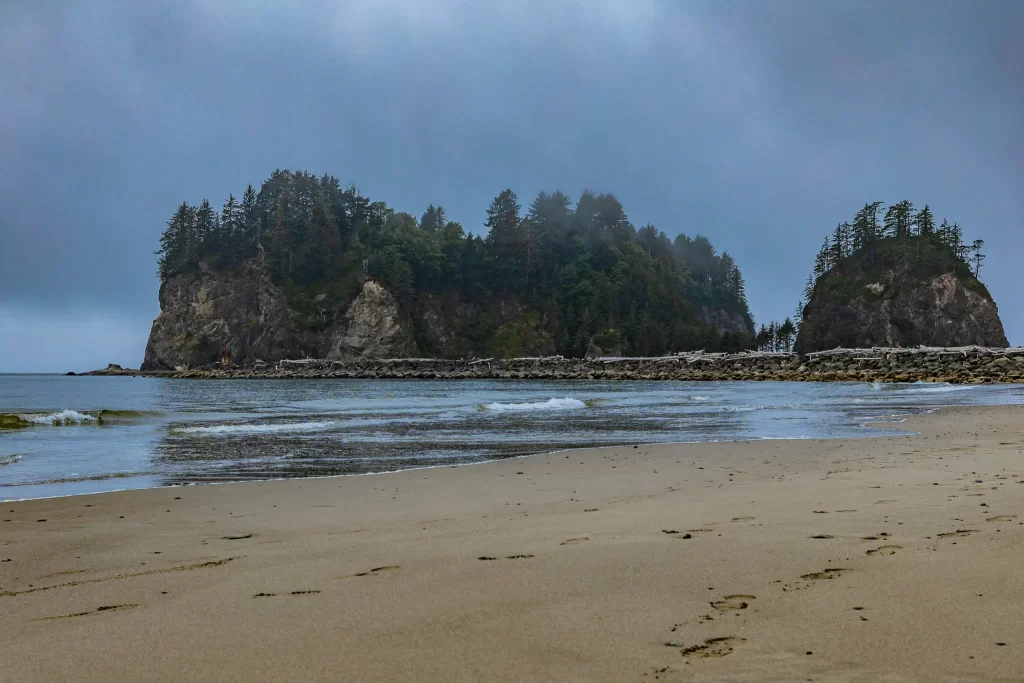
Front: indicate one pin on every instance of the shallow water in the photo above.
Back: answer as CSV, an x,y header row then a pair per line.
x,y
157,432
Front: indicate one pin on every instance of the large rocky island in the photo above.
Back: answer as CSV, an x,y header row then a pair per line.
x,y
303,279
303,268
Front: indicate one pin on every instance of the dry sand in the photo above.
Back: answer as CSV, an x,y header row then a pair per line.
x,y
885,559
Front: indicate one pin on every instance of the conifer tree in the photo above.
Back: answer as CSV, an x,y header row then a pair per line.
x,y
433,219
250,220
977,256
504,237
925,222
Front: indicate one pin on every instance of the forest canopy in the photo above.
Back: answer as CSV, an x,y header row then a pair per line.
x,y
579,268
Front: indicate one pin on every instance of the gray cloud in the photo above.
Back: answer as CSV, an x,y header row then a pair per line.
x,y
758,124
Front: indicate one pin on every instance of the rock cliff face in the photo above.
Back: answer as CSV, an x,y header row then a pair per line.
x,y
899,310
372,327
242,309
726,321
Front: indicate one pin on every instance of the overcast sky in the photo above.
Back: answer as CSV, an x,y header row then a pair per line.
x,y
760,124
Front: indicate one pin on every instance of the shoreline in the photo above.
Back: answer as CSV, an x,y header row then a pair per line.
x,y
889,557
953,365
868,424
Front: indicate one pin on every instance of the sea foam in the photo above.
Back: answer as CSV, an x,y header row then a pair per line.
x,y
566,403
64,417
265,428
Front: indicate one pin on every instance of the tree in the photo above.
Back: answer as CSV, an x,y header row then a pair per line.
x,y
177,244
925,222
433,219
977,256
322,248
785,334
206,228
505,238
229,244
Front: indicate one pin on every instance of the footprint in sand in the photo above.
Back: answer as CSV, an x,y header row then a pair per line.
x,y
958,533
826,574
743,519
574,541
733,603
101,608
376,570
822,537
885,550
700,531
712,647
1001,518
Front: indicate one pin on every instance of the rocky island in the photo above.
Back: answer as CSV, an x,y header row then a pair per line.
x,y
304,279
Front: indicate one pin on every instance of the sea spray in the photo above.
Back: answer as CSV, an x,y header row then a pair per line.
x,y
567,403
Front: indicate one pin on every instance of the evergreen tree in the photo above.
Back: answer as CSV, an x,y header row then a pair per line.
x,y
976,256
207,237
505,238
785,332
925,222
281,241
433,219
177,246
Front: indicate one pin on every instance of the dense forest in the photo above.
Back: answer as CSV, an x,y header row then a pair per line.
x,y
902,239
581,269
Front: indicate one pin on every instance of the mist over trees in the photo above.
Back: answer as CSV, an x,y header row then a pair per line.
x,y
579,267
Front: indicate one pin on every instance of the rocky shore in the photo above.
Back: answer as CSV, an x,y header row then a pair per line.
x,y
963,365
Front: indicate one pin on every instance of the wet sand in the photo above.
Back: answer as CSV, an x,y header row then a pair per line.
x,y
885,559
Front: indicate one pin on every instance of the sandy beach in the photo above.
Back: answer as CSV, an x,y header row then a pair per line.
x,y
882,559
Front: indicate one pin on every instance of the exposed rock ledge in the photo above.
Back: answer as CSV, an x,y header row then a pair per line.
x,y
973,365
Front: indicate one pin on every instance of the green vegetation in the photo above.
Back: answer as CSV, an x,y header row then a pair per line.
x,y
860,258
574,268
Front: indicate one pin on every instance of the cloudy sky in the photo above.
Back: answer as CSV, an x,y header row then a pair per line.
x,y
758,123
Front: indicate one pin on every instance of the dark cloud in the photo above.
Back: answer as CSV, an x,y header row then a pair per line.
x,y
759,124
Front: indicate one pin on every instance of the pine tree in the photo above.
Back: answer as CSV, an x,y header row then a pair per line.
x,y
281,241
322,248
504,237
786,331
836,252
925,222
945,233
822,262
230,241
176,251
250,220
977,256
206,229
433,219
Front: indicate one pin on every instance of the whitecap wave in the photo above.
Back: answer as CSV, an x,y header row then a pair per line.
x,y
10,459
566,403
926,388
265,428
698,397
62,418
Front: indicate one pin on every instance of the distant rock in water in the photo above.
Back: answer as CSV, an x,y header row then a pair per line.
x,y
111,369
906,292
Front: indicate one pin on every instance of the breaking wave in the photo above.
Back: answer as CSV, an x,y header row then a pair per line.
x,y
566,403
58,419
265,428
10,459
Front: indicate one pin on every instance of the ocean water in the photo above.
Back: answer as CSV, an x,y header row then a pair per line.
x,y
92,434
